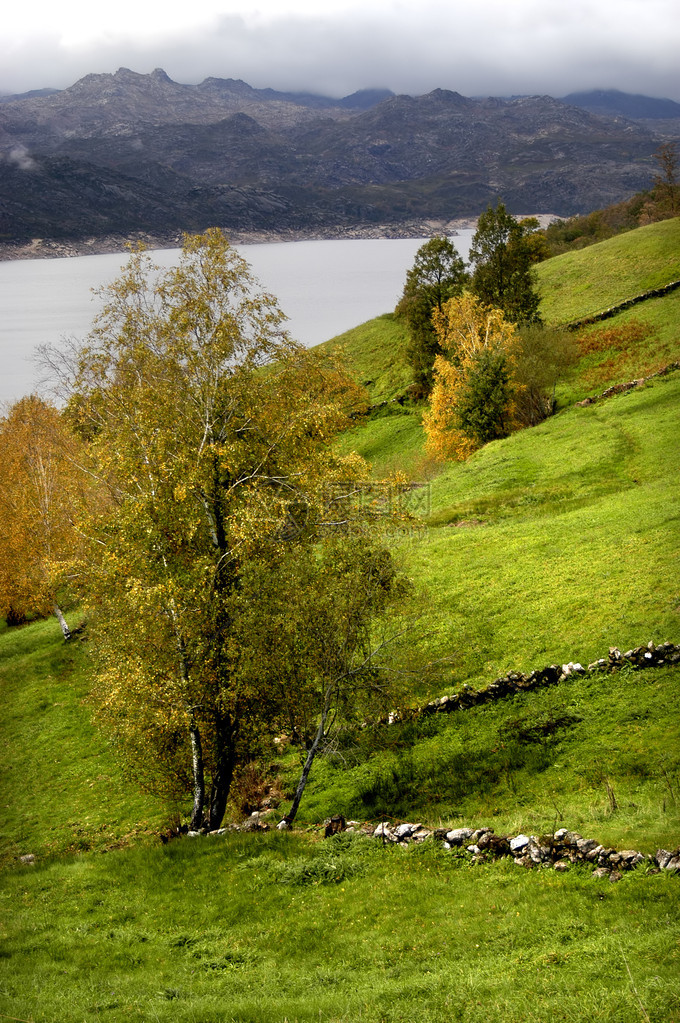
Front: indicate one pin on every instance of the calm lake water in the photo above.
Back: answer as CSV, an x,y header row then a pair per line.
x,y
324,287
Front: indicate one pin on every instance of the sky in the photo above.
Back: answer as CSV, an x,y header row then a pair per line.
x,y
334,47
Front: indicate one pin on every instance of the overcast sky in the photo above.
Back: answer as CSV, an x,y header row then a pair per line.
x,y
476,47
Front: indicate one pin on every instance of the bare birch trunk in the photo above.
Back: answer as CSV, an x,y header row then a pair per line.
x,y
311,753
59,615
199,775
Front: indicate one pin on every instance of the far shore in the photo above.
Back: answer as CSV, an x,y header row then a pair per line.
x,y
53,248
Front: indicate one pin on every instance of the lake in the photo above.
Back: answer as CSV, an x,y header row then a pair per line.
x,y
324,287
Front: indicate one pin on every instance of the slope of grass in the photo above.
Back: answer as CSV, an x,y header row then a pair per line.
x,y
635,343
547,547
600,755
391,440
579,284
580,541
375,354
267,929
569,545
61,786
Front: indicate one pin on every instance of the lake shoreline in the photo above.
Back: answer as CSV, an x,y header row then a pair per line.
x,y
53,248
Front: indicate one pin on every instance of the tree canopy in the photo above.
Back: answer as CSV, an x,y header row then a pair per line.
x,y
438,273
472,397
41,493
209,427
502,255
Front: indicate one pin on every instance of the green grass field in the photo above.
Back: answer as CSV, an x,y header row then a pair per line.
x,y
582,283
62,787
277,929
546,547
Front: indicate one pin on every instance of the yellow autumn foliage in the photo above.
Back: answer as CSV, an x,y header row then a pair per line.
x,y
471,400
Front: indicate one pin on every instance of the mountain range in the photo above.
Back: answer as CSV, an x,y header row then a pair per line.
x,y
124,153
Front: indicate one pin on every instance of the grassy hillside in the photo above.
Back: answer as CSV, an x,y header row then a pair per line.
x,y
573,286
62,787
375,353
272,929
546,547
635,343
579,284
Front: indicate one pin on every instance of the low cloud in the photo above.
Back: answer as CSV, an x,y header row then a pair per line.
x,y
491,48
20,157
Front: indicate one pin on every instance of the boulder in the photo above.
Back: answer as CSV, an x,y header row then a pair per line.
x,y
458,836
519,843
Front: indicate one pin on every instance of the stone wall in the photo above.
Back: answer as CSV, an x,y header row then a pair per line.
x,y
652,655
629,385
614,309
560,850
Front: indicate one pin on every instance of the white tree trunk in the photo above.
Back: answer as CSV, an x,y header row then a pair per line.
x,y
59,615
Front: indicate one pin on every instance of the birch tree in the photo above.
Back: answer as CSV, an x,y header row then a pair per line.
x,y
207,423
472,397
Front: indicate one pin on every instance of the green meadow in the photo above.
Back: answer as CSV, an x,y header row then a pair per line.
x,y
549,546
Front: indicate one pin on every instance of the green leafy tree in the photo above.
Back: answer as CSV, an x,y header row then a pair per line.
x,y
541,356
484,404
438,273
210,429
502,256
323,644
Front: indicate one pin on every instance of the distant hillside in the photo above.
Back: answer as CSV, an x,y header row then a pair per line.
x,y
637,342
159,156
612,103
573,286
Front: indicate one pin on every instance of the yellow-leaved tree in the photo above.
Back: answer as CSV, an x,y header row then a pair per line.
x,y
42,493
210,428
473,394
